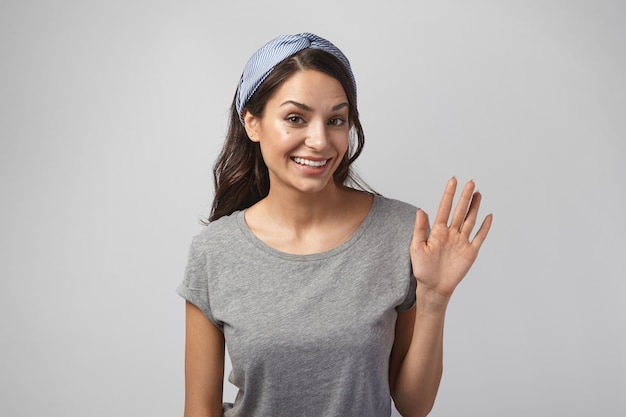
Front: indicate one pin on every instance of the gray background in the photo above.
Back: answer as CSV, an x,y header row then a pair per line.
x,y
111,114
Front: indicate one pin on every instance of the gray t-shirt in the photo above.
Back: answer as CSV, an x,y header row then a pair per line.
x,y
307,335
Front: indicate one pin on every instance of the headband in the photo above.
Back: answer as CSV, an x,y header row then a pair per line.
x,y
262,63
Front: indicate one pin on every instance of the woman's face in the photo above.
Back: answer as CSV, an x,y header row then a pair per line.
x,y
303,133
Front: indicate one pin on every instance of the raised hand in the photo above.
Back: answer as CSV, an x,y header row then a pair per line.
x,y
441,258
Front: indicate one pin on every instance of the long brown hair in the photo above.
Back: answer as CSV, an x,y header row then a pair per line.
x,y
240,175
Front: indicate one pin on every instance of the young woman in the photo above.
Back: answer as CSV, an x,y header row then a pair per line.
x,y
330,298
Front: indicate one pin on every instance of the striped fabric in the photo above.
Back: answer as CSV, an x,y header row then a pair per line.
x,y
272,53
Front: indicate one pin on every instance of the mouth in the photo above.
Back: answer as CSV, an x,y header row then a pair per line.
x,y
309,162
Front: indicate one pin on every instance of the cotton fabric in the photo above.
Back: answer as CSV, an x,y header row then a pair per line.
x,y
307,335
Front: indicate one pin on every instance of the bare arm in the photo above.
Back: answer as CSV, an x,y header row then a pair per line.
x,y
440,260
417,358
204,365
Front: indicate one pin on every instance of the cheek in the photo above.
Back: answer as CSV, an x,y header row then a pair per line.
x,y
277,143
342,142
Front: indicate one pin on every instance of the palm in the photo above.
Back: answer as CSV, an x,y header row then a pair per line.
x,y
441,258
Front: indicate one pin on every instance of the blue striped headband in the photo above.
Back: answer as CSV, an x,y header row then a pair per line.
x,y
262,63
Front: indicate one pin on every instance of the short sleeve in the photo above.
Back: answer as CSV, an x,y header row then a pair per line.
x,y
410,298
195,285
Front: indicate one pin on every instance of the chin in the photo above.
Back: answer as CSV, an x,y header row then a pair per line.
x,y
317,189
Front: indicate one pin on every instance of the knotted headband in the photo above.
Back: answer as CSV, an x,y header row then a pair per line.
x,y
262,63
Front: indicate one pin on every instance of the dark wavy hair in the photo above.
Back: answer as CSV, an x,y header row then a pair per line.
x,y
240,175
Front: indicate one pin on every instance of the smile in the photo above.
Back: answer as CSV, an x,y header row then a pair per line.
x,y
309,163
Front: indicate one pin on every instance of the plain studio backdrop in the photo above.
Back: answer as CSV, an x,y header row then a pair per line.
x,y
112,113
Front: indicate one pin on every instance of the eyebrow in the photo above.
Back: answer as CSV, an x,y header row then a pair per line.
x,y
307,108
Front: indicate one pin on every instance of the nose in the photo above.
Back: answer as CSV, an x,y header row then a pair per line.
x,y
317,136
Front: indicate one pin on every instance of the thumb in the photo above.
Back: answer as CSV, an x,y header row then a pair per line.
x,y
420,229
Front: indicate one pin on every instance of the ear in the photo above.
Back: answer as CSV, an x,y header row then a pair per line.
x,y
252,125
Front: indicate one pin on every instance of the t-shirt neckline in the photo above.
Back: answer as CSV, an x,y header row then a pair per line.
x,y
249,235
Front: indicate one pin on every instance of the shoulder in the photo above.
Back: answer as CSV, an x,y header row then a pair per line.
x,y
391,222
217,232
392,211
395,205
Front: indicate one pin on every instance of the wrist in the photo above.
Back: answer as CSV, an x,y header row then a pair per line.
x,y
430,300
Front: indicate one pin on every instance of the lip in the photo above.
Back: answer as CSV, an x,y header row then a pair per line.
x,y
311,169
311,158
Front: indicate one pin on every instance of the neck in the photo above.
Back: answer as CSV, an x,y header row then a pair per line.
x,y
301,210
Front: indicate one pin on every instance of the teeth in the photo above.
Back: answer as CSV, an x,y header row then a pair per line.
x,y
310,163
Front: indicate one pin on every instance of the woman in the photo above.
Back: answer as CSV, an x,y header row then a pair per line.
x,y
331,299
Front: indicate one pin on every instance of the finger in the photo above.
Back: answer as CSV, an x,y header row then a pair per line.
x,y
460,212
481,235
445,206
472,215
420,229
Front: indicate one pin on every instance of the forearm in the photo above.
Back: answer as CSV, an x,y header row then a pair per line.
x,y
204,365
419,375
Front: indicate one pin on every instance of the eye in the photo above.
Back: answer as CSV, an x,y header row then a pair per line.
x,y
294,119
337,121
